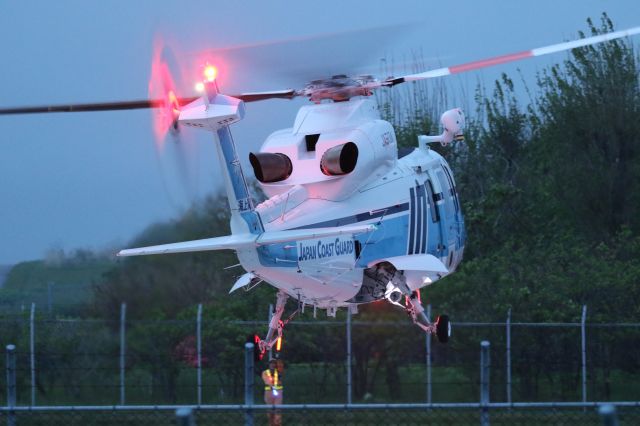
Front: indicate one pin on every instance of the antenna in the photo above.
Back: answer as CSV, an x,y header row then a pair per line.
x,y
453,122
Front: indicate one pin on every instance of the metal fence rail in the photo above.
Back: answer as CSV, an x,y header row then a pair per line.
x,y
548,413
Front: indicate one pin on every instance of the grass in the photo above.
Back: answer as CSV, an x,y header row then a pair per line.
x,y
304,384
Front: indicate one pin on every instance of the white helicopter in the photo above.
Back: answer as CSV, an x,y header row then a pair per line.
x,y
347,222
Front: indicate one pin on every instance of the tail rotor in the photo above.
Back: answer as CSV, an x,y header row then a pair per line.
x,y
165,82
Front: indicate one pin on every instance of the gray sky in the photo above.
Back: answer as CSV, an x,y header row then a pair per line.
x,y
91,180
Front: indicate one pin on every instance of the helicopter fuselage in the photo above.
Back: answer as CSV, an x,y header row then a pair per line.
x,y
412,201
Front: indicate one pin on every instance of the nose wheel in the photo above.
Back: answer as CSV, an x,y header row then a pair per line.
x,y
441,328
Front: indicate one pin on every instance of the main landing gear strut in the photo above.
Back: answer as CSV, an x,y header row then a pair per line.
x,y
276,325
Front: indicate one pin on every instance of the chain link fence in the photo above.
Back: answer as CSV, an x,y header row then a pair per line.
x,y
95,362
126,372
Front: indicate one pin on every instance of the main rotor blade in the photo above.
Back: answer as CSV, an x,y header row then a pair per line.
x,y
141,104
261,96
485,63
101,106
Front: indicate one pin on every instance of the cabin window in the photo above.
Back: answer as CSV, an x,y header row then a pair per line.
x,y
311,141
358,247
432,197
446,192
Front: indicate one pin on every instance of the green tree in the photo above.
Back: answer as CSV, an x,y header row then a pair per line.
x,y
549,196
166,285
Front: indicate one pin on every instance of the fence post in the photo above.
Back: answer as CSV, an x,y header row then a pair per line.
x,y
608,414
269,322
123,318
428,360
11,383
484,382
32,350
248,383
584,354
184,417
199,348
349,390
509,356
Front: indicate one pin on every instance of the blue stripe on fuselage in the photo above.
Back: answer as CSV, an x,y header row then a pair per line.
x,y
360,217
421,230
412,222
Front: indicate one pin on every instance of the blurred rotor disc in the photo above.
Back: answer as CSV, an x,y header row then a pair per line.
x,y
179,158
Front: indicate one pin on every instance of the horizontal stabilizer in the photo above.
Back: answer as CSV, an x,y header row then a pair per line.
x,y
243,281
238,241
207,244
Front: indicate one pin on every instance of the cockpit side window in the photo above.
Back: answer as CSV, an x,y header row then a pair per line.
x,y
446,192
454,193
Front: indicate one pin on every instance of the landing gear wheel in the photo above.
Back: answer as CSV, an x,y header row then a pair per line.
x,y
443,328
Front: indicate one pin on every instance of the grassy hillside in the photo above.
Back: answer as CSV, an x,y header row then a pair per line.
x,y
72,281
4,271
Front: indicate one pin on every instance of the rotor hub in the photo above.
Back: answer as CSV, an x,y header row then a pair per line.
x,y
339,88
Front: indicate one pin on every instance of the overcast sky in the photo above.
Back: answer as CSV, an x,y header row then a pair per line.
x,y
91,180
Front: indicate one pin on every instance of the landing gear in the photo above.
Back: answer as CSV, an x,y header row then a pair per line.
x,y
397,283
441,328
275,326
